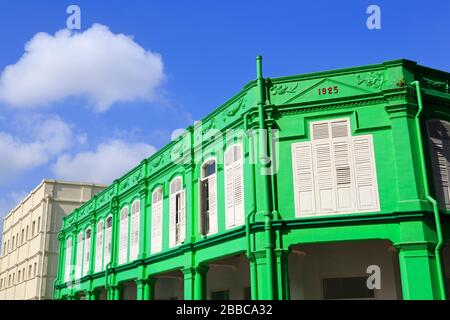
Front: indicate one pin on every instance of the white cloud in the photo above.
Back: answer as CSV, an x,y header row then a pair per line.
x,y
42,139
96,65
109,161
176,133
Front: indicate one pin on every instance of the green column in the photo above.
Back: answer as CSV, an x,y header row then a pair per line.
x,y
418,271
282,275
189,278
93,222
407,180
118,292
92,295
200,292
149,292
143,223
266,288
253,279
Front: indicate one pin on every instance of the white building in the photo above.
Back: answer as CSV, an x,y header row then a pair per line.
x,y
29,253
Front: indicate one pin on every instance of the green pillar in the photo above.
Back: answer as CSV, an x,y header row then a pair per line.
x,y
253,279
143,223
146,289
93,222
418,271
282,276
189,278
265,286
149,292
200,292
118,292
408,178
92,295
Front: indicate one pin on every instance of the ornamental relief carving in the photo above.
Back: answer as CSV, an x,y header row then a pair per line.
x,y
373,79
280,89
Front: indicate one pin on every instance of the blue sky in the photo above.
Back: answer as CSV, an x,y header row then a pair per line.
x,y
206,50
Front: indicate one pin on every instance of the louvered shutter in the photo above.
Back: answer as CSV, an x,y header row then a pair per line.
x,y
440,152
365,174
303,178
68,263
134,230
108,244
229,189
87,255
156,227
79,262
325,186
212,190
183,216
344,192
172,220
238,185
99,247
123,239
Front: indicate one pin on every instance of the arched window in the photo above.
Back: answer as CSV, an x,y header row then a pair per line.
x,y
87,252
157,209
68,260
234,187
177,213
123,239
108,243
79,262
99,247
134,229
208,198
439,141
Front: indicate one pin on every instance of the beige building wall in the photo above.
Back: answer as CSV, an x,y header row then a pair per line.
x,y
29,247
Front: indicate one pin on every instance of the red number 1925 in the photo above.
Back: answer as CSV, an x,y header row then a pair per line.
x,y
329,90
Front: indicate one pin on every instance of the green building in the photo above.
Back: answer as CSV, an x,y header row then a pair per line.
x,y
317,186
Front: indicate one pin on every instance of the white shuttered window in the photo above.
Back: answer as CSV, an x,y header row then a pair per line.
x,y
234,187
157,209
439,141
87,252
334,172
123,236
208,198
177,212
79,261
108,242
99,246
134,229
68,263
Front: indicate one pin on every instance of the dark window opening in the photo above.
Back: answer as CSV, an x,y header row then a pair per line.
x,y
347,288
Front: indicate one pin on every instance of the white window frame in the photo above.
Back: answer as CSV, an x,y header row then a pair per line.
x,y
68,259
234,215
123,235
135,217
351,140
157,226
79,256
108,242
203,178
177,230
99,247
87,251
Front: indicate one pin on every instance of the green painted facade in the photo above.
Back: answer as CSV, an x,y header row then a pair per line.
x,y
379,100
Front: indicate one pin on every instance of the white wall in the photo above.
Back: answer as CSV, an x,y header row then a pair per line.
x,y
229,275
313,263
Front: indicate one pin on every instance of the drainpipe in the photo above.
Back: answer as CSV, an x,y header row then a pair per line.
x,y
437,219
249,218
264,162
